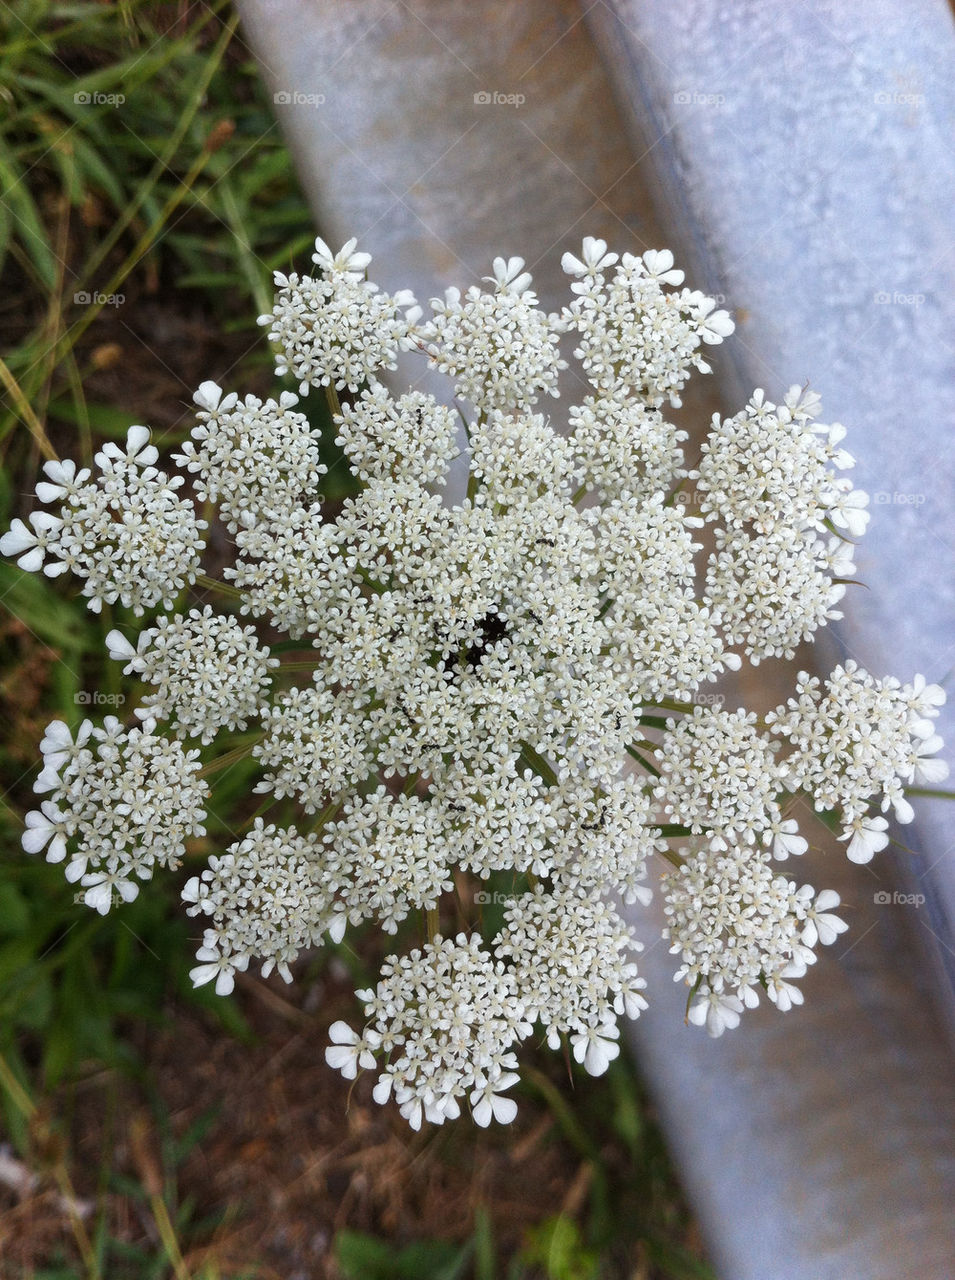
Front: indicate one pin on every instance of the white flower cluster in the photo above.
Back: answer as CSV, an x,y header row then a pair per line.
x,y
624,446
569,955
126,532
388,854
337,330
122,801
270,896
411,438
739,927
253,459
765,477
444,1019
460,681
635,336
499,347
856,738
209,671
720,777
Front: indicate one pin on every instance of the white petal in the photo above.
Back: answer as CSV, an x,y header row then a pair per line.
x,y
572,266
203,973
342,1058
190,890
136,439
99,897
56,738
341,1033
716,327
903,810
32,562
49,492
39,831
225,983
17,538
76,869
210,393
48,780
119,647
483,1113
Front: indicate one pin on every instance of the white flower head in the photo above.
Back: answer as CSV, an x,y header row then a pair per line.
x,y
454,697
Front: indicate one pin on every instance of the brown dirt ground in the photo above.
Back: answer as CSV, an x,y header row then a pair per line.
x,y
294,1153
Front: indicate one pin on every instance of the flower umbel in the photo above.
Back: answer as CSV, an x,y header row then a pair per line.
x,y
451,698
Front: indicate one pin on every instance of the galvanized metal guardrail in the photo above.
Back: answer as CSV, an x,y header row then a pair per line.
x,y
798,158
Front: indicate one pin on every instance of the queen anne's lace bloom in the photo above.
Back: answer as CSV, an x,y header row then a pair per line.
x,y
257,461
499,347
622,446
768,468
209,671
126,533
738,928
633,333
336,330
720,777
410,438
772,590
270,896
856,738
443,1021
387,855
571,961
122,801
458,680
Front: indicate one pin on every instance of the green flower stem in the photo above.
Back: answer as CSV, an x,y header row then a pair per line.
x,y
538,764
230,758
213,584
326,815
634,754
671,704
671,856
333,401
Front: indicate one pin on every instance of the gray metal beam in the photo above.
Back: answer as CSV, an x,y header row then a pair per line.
x,y
798,166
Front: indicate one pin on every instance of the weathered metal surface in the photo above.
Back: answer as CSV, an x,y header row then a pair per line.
x,y
807,156
446,135
818,1145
